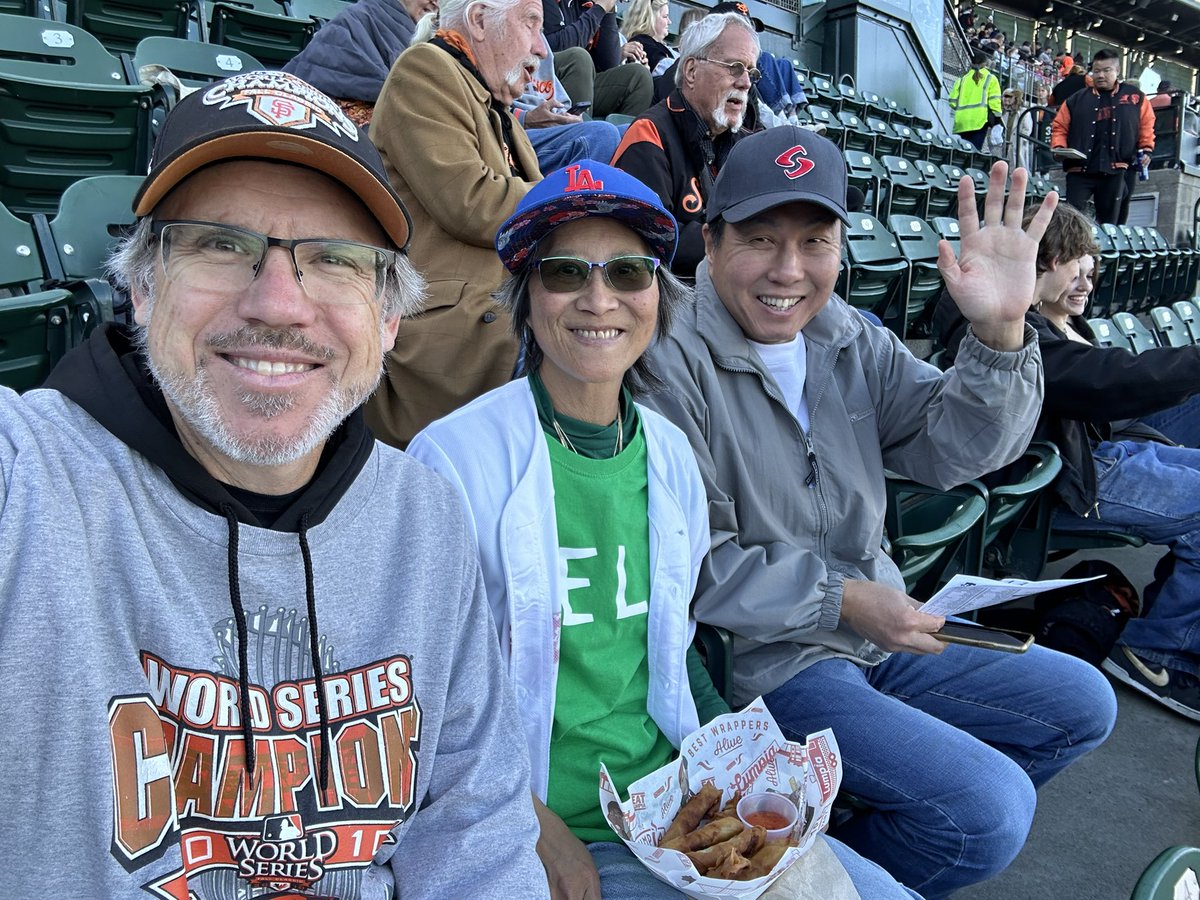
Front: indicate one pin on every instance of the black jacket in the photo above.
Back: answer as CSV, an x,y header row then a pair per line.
x,y
1107,126
581,23
670,149
1093,393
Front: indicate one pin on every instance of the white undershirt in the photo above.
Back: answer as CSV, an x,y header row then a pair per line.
x,y
786,364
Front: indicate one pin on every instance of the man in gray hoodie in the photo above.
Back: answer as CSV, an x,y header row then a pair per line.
x,y
179,505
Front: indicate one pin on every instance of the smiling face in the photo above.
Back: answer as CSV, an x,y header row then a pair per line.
x,y
711,90
1074,299
1052,287
508,49
257,380
591,337
777,270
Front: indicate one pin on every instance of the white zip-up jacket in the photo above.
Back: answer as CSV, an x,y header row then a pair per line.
x,y
493,451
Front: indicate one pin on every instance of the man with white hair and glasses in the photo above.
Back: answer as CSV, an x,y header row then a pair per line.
x,y
461,162
179,503
678,146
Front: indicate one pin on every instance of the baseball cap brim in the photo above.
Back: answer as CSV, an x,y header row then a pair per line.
x,y
759,203
284,145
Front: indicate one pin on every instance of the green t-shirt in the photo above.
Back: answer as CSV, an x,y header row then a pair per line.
x,y
603,674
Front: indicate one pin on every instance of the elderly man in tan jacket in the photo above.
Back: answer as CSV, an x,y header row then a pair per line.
x,y
461,162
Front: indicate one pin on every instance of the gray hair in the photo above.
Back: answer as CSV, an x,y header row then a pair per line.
x,y
132,267
452,14
698,39
673,296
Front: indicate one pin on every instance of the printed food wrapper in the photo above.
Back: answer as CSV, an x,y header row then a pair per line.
x,y
743,752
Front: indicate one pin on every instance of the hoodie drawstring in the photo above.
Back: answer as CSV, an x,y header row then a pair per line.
x,y
239,618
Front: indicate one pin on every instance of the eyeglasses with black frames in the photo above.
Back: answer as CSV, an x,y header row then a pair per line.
x,y
216,257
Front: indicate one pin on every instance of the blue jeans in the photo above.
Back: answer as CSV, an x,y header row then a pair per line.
x,y
623,877
947,751
1179,423
1153,491
560,145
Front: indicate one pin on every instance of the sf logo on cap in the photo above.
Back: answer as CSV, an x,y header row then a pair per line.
x,y
580,179
795,162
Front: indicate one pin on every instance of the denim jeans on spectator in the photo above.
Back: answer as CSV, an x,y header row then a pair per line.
x,y
560,145
1179,423
1153,491
623,877
947,751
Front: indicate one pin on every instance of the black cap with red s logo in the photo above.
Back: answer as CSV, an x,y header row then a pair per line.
x,y
785,164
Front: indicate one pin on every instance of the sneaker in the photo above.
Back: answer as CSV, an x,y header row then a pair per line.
x,y
1175,690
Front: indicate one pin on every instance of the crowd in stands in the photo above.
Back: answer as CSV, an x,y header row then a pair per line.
x,y
619,346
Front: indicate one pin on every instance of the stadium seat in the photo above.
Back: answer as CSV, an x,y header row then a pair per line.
x,y
855,133
919,245
194,63
1170,330
850,99
716,651
866,173
260,28
93,215
943,195
65,113
823,116
1171,287
39,9
946,228
876,275
928,142
941,149
909,190
1137,335
1189,316
1159,272
1020,505
120,24
1109,270
822,87
1132,269
1106,335
1172,875
887,141
37,326
980,177
963,153
934,534
320,11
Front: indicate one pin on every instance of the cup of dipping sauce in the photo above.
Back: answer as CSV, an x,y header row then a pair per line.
x,y
774,812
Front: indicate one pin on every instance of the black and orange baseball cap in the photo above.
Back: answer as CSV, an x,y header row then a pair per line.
x,y
272,116
736,6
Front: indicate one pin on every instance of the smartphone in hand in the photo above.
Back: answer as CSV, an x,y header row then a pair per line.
x,y
989,638
578,109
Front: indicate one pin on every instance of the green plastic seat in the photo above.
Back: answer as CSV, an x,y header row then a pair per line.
x,y
1106,334
919,245
866,173
876,274
716,650
934,534
943,195
1171,876
65,113
37,325
320,11
194,63
1170,329
120,24
855,133
910,192
1021,502
1189,315
1130,327
260,28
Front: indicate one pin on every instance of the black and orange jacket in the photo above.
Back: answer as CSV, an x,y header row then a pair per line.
x,y
1109,126
669,148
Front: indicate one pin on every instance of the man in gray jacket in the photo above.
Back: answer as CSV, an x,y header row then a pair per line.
x,y
795,405
178,506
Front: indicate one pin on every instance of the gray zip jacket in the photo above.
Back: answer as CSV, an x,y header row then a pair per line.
x,y
794,515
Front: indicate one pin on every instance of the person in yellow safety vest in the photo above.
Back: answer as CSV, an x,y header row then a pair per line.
x,y
975,99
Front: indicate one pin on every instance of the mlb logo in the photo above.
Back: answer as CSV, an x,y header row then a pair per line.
x,y
283,828
281,111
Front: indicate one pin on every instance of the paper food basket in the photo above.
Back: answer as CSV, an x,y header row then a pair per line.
x,y
743,751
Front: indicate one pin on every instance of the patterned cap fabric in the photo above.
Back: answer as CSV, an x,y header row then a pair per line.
x,y
785,164
273,116
583,189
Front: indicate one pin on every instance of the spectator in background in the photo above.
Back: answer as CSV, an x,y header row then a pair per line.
x,y
461,162
1119,471
975,100
588,57
1042,117
649,22
1113,126
1162,99
350,56
1076,80
560,137
1015,127
678,146
1066,63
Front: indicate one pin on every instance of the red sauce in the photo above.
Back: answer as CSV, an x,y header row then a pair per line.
x,y
767,819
